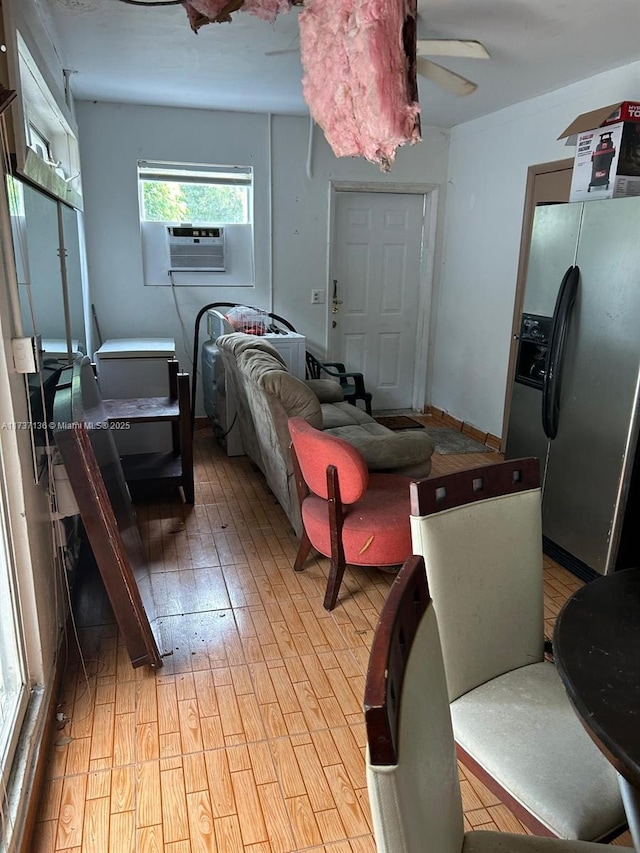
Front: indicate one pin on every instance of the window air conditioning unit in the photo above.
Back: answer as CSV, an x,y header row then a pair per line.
x,y
196,248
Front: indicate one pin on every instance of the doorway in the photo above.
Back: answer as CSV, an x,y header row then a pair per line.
x,y
547,183
380,288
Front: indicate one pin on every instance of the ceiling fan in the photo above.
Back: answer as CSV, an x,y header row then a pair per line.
x,y
443,77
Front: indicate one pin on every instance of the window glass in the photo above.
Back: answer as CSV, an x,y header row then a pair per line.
x,y
195,203
196,194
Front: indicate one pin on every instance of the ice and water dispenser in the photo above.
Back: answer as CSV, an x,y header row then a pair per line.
x,y
535,331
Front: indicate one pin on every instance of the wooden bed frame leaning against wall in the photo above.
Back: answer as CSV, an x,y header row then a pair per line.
x,y
93,467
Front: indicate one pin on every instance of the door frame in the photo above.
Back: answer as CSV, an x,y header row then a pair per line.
x,y
429,192
530,202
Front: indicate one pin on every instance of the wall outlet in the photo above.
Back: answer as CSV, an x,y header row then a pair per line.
x,y
317,297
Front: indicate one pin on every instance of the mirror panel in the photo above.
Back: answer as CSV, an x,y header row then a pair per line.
x,y
43,230
46,241
41,293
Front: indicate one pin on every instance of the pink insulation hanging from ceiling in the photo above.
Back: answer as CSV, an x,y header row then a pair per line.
x,y
202,12
360,76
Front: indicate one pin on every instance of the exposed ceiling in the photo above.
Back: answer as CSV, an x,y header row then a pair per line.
x,y
130,54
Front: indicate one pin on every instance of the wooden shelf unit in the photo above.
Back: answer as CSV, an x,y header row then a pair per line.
x,y
172,467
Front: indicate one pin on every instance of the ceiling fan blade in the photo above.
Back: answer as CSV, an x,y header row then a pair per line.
x,y
446,79
452,47
281,52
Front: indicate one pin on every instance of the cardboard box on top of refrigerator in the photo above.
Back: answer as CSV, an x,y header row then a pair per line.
x,y
607,158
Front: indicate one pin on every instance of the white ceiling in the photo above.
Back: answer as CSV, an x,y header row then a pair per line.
x,y
139,55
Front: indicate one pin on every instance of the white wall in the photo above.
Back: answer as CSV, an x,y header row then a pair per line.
x,y
114,136
488,163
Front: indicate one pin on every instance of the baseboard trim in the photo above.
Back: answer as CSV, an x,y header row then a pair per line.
x,y
486,438
569,561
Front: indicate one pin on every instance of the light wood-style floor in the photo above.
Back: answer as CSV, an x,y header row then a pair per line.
x,y
250,738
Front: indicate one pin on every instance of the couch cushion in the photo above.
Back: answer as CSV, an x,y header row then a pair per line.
x,y
344,414
326,390
521,728
406,452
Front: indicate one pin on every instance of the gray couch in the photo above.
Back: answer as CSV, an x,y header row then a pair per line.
x,y
267,395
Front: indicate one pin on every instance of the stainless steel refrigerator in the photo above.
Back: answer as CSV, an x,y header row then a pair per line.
x,y
576,390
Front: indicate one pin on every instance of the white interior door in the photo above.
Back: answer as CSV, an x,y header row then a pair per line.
x,y
374,290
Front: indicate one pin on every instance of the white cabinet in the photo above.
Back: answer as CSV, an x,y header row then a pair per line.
x,y
291,347
136,367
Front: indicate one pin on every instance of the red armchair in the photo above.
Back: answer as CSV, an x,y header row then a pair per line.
x,y
348,514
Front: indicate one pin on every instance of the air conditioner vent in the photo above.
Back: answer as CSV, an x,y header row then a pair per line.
x,y
196,248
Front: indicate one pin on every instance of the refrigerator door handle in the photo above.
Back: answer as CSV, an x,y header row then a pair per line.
x,y
553,369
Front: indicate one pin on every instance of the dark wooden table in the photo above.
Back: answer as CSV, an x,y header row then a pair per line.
x,y
596,644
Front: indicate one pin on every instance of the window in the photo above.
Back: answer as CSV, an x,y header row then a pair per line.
x,y
39,142
197,194
46,145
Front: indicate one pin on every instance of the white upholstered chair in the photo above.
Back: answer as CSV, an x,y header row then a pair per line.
x,y
480,535
412,775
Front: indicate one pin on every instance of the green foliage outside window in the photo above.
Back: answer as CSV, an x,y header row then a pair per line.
x,y
163,202
171,201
